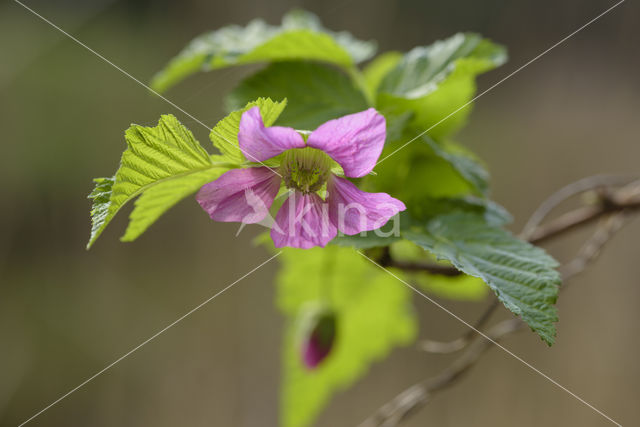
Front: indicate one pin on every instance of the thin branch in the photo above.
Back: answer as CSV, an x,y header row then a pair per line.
x,y
424,267
613,213
592,247
444,347
386,260
406,403
565,193
580,217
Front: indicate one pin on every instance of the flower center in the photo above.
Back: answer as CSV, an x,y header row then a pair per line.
x,y
305,169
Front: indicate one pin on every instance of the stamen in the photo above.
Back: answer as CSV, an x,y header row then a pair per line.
x,y
305,169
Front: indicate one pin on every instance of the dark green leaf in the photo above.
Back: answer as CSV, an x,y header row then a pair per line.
x,y
417,173
463,162
523,276
390,233
492,213
315,93
428,169
377,69
462,287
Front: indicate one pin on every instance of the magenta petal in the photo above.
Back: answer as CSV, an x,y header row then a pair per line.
x,y
240,195
353,211
259,143
313,354
320,340
355,141
303,222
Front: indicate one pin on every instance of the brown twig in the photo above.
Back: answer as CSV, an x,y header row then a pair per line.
x,y
613,209
420,394
582,216
386,260
576,188
592,247
444,347
436,269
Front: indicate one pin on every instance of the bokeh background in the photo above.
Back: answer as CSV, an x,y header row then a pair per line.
x,y
65,313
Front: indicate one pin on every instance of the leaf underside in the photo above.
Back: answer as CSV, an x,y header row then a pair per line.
x,y
437,82
165,155
299,37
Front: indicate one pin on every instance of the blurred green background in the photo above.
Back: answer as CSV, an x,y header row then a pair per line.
x,y
65,313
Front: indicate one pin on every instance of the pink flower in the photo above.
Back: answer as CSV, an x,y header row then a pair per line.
x,y
320,203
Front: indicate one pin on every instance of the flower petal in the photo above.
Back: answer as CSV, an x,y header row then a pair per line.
x,y
320,340
303,222
240,195
259,143
355,141
352,210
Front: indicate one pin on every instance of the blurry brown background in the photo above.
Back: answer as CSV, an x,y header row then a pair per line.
x,y
66,313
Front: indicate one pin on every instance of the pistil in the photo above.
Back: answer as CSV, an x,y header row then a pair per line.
x,y
305,169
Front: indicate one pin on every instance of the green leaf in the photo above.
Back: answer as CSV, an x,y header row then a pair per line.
x,y
397,123
300,37
100,209
462,287
166,156
373,315
491,213
464,162
160,198
298,44
301,19
423,68
315,93
391,233
224,134
415,174
437,80
377,69
522,276
429,170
